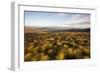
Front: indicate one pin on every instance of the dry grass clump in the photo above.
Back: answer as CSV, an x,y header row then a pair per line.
x,y
56,46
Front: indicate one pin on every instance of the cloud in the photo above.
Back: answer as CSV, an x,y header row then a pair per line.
x,y
61,14
79,19
44,19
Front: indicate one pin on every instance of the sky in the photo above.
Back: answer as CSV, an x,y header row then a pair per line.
x,y
56,19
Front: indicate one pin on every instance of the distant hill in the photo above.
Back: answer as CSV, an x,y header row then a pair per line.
x,y
29,29
72,30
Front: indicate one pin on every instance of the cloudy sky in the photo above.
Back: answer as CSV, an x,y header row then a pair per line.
x,y
56,19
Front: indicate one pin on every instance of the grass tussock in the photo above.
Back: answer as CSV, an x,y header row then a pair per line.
x,y
56,46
